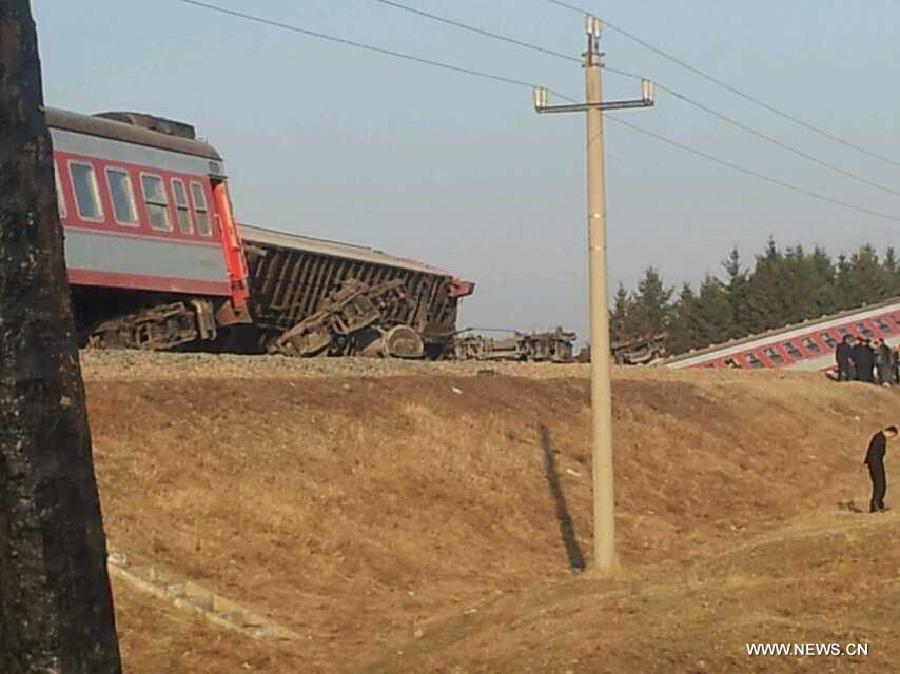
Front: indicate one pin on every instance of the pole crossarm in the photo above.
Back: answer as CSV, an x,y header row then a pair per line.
x,y
584,107
541,96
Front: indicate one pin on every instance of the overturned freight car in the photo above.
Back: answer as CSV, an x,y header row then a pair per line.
x,y
315,297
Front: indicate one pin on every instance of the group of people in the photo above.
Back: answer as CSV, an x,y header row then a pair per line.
x,y
873,361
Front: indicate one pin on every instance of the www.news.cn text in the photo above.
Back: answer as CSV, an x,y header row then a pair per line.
x,y
834,650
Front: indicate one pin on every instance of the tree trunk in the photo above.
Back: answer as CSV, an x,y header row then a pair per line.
x,y
56,612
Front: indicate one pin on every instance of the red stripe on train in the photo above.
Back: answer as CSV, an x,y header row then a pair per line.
x,y
142,282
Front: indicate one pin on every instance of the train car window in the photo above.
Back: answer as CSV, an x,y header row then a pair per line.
x,y
830,341
883,325
60,197
87,198
753,362
843,332
811,345
774,356
792,350
157,202
863,329
122,193
200,208
182,209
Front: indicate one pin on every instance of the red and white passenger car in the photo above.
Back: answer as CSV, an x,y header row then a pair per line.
x,y
807,346
152,250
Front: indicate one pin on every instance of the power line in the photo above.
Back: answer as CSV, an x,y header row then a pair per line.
x,y
743,169
755,174
357,45
508,80
749,97
479,31
775,141
498,36
683,97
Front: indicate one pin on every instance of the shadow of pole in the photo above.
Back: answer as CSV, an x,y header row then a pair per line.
x,y
566,528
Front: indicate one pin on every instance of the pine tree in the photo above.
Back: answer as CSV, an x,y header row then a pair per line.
x,y
844,291
682,327
619,315
867,279
892,271
650,310
764,307
714,318
799,286
825,293
736,291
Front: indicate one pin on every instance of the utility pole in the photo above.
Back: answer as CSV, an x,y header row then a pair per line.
x,y
601,404
56,611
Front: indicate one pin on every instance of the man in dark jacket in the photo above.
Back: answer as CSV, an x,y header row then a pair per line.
x,y
875,463
864,360
843,354
895,363
884,363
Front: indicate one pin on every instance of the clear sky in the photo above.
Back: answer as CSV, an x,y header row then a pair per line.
x,y
328,141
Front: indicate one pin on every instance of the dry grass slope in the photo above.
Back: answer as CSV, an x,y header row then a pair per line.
x,y
376,515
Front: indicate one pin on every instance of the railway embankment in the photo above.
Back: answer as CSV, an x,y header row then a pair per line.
x,y
425,516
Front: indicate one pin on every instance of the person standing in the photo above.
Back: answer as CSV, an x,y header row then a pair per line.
x,y
895,363
864,360
875,463
843,355
884,363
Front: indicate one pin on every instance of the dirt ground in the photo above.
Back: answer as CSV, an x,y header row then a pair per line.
x,y
424,518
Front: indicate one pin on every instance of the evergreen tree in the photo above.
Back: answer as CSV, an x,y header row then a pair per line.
x,y
714,318
798,285
845,295
618,317
892,271
736,291
867,280
825,292
683,326
650,310
764,307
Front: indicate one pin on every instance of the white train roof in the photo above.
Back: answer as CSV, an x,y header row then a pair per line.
x,y
113,129
252,234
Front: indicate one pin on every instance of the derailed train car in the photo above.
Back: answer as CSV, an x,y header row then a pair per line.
x,y
808,346
156,260
317,297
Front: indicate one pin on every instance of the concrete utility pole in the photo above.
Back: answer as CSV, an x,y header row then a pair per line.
x,y
56,612
601,405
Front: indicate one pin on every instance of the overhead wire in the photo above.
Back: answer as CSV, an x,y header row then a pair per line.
x,y
477,30
771,139
355,44
508,80
683,97
751,172
729,87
